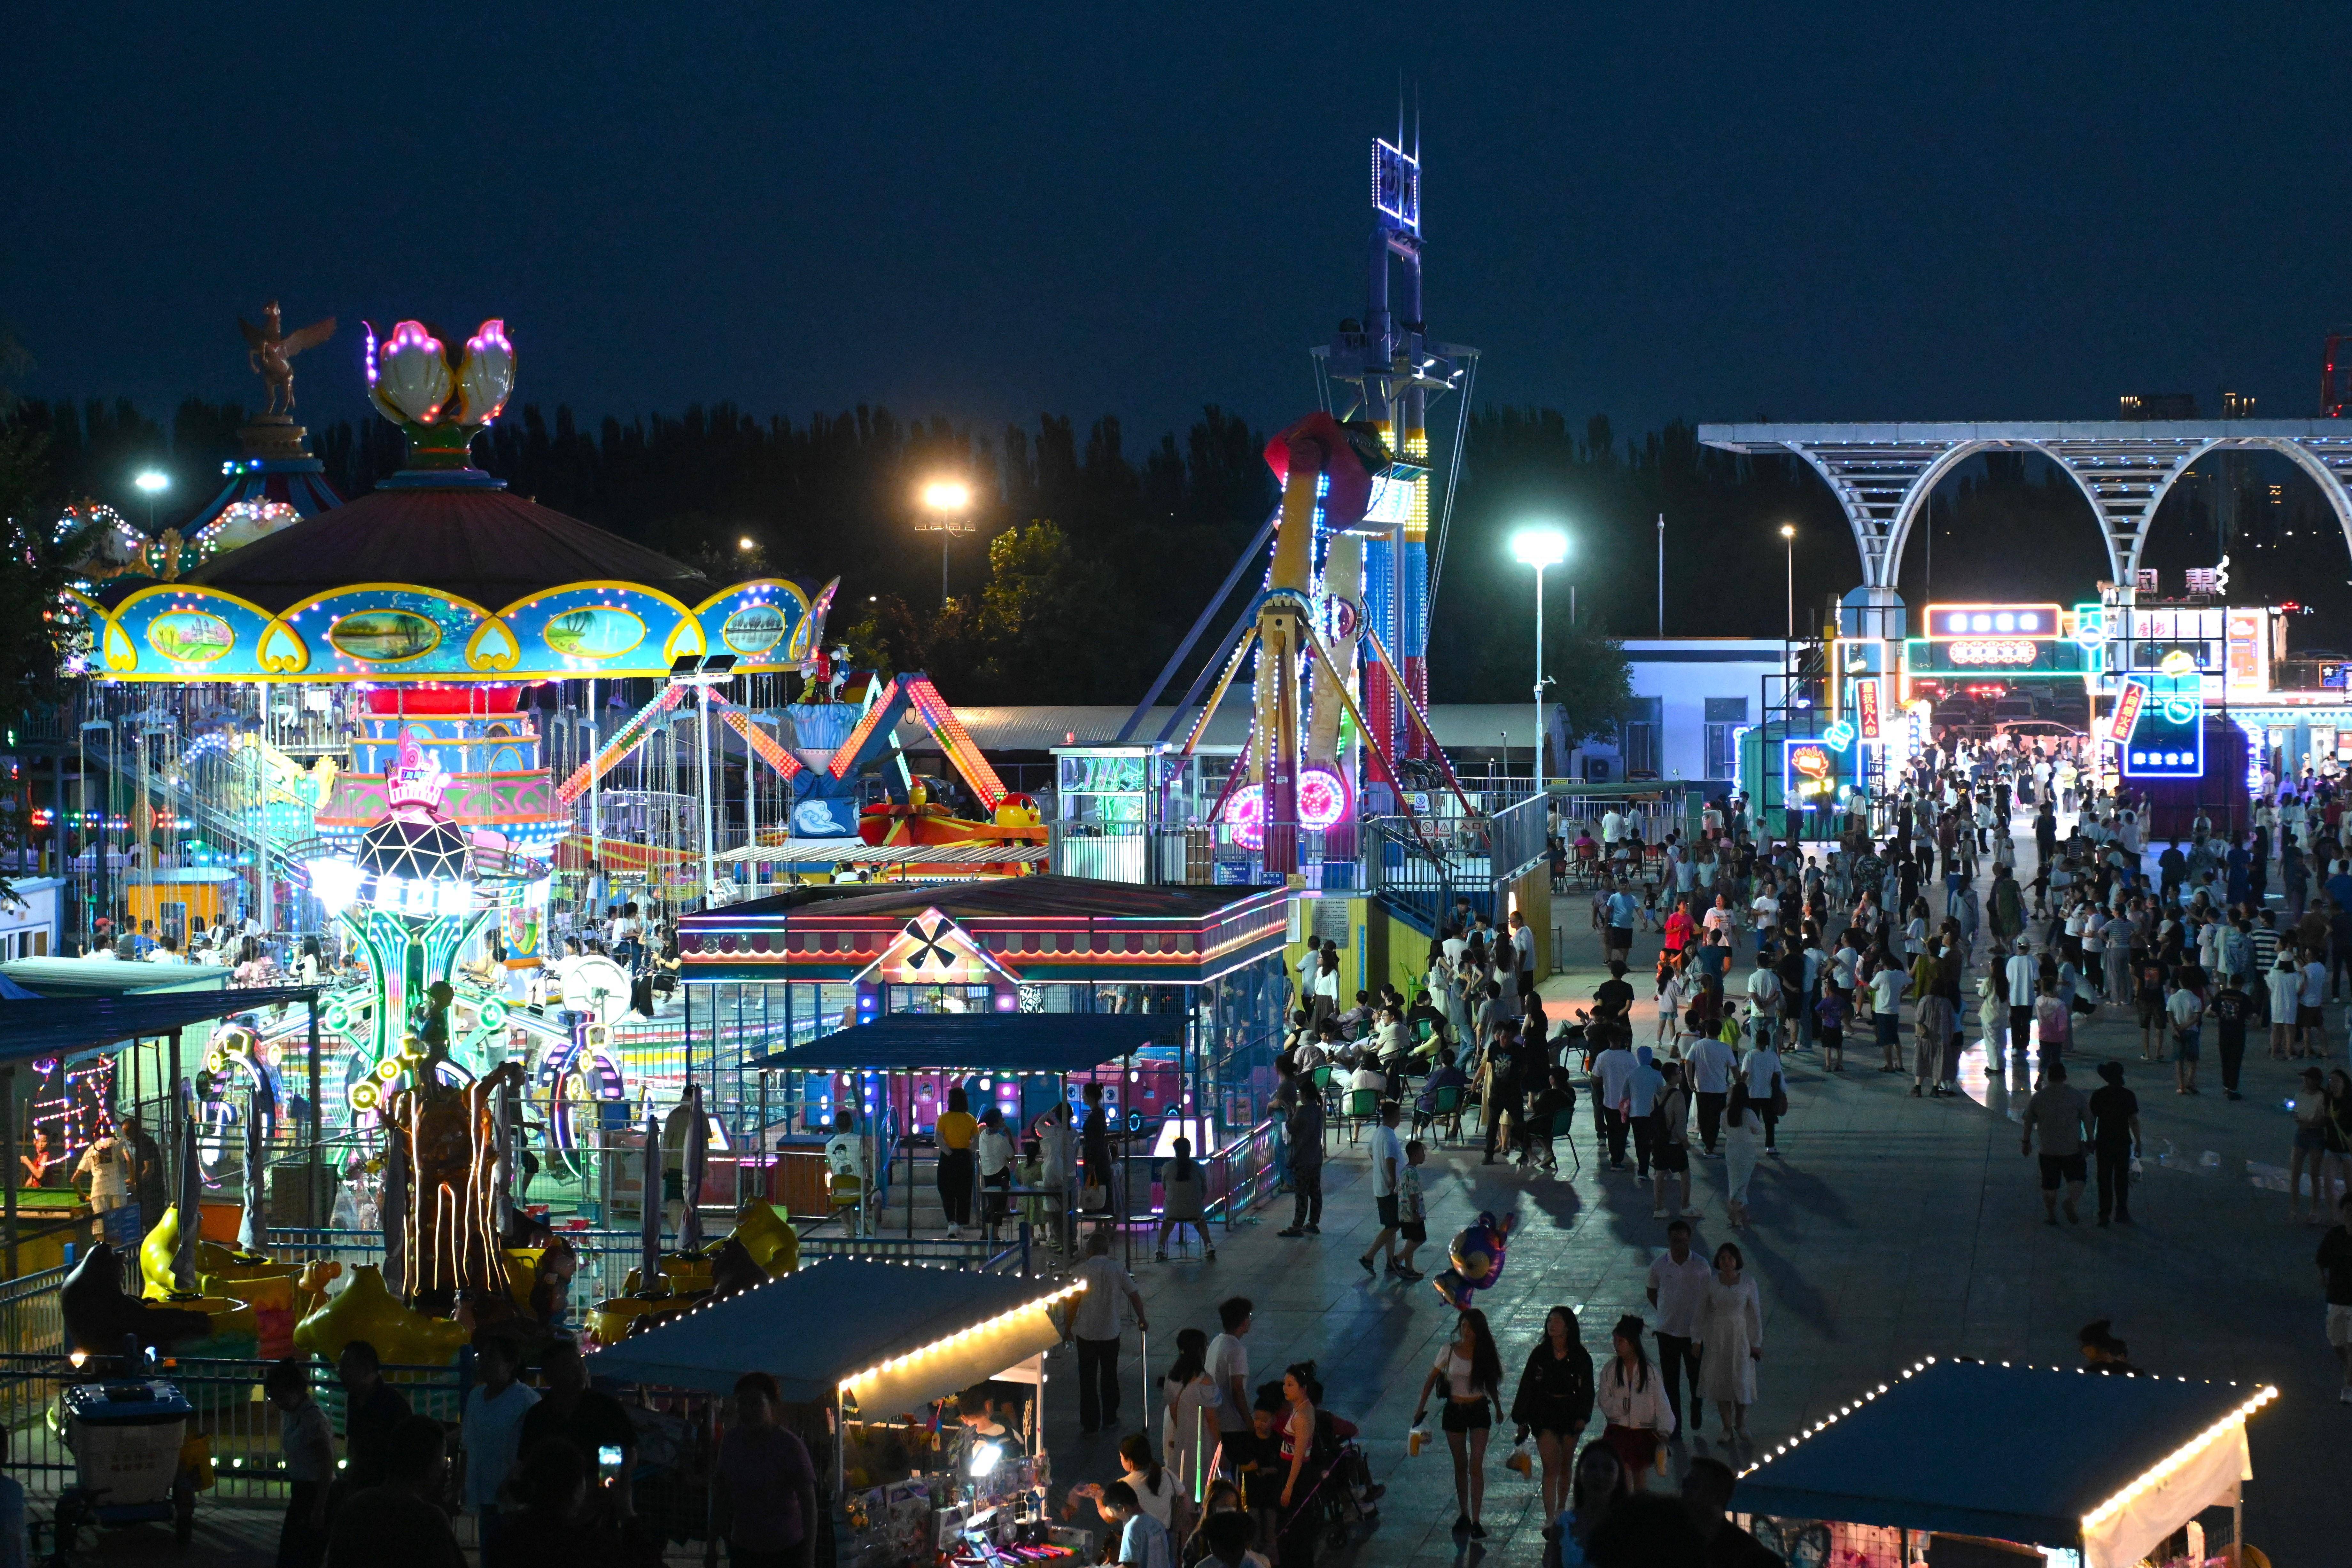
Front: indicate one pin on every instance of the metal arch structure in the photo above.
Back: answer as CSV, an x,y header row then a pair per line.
x,y
1883,474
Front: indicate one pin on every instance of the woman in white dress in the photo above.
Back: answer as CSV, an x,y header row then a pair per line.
x,y
1741,1143
1731,1340
1188,1426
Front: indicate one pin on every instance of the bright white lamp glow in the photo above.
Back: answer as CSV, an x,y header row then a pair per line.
x,y
1540,547
985,1456
153,480
947,495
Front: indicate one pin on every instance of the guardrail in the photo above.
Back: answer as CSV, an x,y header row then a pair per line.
x,y
239,1428
1242,1175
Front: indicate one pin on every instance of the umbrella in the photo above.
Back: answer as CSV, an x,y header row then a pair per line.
x,y
253,1228
697,1149
392,1212
649,1257
184,1257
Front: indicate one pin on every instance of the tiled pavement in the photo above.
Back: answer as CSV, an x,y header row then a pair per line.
x,y
1892,1228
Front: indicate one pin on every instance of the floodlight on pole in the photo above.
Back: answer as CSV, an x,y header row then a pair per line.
x,y
1540,547
1788,540
151,483
947,507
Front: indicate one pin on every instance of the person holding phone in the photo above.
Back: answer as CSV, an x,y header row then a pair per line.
x,y
588,1418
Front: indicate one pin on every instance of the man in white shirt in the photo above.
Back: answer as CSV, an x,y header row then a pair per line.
x,y
1388,1176
1767,912
1642,1089
1094,1328
1613,1072
1613,825
1761,1071
1710,1063
1764,997
1229,1367
1523,953
1678,1291
2024,978
491,1429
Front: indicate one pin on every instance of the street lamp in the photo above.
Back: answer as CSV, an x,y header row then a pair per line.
x,y
1540,547
947,511
1788,540
151,482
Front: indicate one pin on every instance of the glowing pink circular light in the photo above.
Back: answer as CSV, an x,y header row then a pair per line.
x,y
1245,816
1322,798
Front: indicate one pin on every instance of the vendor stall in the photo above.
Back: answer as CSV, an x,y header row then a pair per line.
x,y
877,1353
1962,1461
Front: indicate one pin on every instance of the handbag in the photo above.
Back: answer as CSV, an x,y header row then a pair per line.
x,y
1094,1195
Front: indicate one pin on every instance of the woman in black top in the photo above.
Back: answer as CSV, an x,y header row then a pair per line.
x,y
1555,1402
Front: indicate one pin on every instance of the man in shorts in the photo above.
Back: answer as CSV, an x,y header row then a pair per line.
x,y
2310,1021
2057,1111
2335,1272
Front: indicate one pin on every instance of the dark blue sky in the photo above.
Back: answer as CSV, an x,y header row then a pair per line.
x,y
1818,212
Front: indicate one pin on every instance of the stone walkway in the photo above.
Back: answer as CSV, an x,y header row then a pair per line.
x,y
1892,1229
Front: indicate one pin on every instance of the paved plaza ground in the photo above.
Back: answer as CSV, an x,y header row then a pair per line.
x,y
1893,1229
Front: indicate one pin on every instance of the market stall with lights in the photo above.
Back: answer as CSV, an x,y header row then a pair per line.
x,y
869,1354
2107,1466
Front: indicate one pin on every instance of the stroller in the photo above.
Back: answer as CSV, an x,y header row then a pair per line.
x,y
1343,1487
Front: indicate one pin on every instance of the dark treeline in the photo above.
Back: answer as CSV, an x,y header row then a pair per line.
x,y
1117,548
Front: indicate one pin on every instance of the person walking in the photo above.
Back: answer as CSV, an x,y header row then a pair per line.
x,y
1633,1404
1741,1142
763,1482
1768,1091
308,1445
1303,1137
1670,1143
1387,1173
2114,1141
1677,1290
1470,1371
2056,1112
956,1131
490,1431
1229,1369
1708,1067
1554,1402
2231,1009
2310,1147
1189,1402
1094,1328
2186,1010
2335,1262
1731,1341
1887,984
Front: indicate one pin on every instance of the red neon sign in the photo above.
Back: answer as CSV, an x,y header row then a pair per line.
x,y
1866,707
2126,714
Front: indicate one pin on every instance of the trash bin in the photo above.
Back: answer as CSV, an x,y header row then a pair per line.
x,y
125,1438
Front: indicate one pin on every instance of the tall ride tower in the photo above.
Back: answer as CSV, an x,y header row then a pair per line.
x,y
1393,369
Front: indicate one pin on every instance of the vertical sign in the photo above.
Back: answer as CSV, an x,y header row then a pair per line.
x,y
1866,707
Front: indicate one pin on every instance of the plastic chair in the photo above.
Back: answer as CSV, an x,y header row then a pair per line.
x,y
1563,1125
848,1192
1363,1105
1445,1105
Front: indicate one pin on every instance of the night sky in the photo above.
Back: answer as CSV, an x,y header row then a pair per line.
x,y
1711,212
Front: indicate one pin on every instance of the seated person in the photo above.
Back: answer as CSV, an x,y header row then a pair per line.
x,y
1446,1074
1368,1074
1352,1021
1543,1115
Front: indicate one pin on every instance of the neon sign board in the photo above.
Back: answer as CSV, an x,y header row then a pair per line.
x,y
1866,709
2040,623
1809,771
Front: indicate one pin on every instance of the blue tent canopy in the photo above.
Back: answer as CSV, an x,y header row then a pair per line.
x,y
814,1327
2019,1453
978,1042
66,1026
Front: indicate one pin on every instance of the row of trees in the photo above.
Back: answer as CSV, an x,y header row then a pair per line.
x,y
1091,557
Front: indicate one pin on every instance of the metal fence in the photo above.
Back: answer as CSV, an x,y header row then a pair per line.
x,y
239,1428
30,1316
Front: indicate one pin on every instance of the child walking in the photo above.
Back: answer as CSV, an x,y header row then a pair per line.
x,y
1413,1215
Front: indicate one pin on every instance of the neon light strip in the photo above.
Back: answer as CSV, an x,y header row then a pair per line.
x,y
867,724
926,700
1347,701
2154,1477
1217,696
759,740
624,740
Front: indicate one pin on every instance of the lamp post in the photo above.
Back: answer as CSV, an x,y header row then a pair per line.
x,y
1540,547
1789,540
151,483
947,511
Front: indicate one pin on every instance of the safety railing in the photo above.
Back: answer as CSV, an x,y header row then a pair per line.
x,y
31,1318
1243,1174
239,1428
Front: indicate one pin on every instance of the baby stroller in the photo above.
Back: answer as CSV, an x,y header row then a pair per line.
x,y
1343,1487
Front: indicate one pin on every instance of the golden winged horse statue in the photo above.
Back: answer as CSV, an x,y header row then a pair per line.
x,y
272,351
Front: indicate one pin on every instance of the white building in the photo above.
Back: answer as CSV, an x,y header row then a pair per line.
x,y
1691,698
30,918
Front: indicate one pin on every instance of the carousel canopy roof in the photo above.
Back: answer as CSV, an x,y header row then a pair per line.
x,y
70,1025
473,543
975,1042
1015,897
